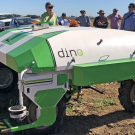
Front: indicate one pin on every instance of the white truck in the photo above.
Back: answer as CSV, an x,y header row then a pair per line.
x,y
6,74
5,19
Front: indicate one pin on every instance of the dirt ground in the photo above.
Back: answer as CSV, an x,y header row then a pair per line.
x,y
86,117
92,114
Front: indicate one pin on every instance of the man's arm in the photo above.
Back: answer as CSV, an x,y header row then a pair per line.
x,y
105,25
95,22
120,17
50,16
122,23
57,21
109,16
67,19
89,22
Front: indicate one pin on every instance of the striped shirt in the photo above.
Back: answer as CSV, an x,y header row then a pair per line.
x,y
129,24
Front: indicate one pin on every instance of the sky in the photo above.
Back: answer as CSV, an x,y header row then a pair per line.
x,y
70,7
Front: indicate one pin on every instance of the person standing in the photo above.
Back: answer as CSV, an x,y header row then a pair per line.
x,y
134,7
64,20
114,19
128,21
49,16
83,19
101,21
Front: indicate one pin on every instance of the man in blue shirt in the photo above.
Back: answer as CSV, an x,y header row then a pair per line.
x,y
83,19
64,20
128,21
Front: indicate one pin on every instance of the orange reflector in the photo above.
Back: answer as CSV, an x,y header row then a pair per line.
x,y
73,22
76,94
34,22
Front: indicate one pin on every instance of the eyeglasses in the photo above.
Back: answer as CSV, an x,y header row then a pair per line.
x,y
63,15
50,7
130,7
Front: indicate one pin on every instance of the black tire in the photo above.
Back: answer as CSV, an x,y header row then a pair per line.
x,y
9,79
67,99
127,89
50,129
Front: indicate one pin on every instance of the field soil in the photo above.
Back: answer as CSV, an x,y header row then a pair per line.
x,y
88,116
91,114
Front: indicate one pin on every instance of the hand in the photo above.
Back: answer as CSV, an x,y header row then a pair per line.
x,y
51,14
66,17
99,23
78,22
119,16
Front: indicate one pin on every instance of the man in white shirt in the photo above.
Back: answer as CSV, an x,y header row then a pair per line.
x,y
64,20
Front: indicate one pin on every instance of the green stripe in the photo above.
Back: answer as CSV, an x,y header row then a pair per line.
x,y
36,49
6,121
15,37
7,31
32,43
38,80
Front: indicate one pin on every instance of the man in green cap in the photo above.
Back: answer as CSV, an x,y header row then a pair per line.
x,y
49,16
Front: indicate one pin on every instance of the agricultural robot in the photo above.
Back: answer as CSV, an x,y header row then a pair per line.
x,y
47,61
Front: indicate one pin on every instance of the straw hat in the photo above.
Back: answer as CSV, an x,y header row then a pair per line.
x,y
101,12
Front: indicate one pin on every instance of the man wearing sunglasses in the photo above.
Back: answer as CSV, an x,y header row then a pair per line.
x,y
128,21
49,16
64,20
84,20
101,21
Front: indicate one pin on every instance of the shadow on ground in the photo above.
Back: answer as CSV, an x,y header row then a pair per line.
x,y
86,123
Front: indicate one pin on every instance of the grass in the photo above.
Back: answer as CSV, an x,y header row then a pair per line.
x,y
69,108
101,103
73,103
98,104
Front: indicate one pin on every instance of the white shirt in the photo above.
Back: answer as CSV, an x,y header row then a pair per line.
x,y
63,21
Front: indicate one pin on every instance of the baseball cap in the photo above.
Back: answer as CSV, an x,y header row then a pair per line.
x,y
115,9
82,11
49,4
64,14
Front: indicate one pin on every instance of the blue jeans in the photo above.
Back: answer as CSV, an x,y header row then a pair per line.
x,y
115,28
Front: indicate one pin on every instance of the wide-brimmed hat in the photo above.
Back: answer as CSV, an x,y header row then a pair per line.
x,y
101,12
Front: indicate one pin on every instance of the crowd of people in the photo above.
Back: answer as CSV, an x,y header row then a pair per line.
x,y
128,20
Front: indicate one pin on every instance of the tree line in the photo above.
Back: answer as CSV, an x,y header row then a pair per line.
x,y
32,16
